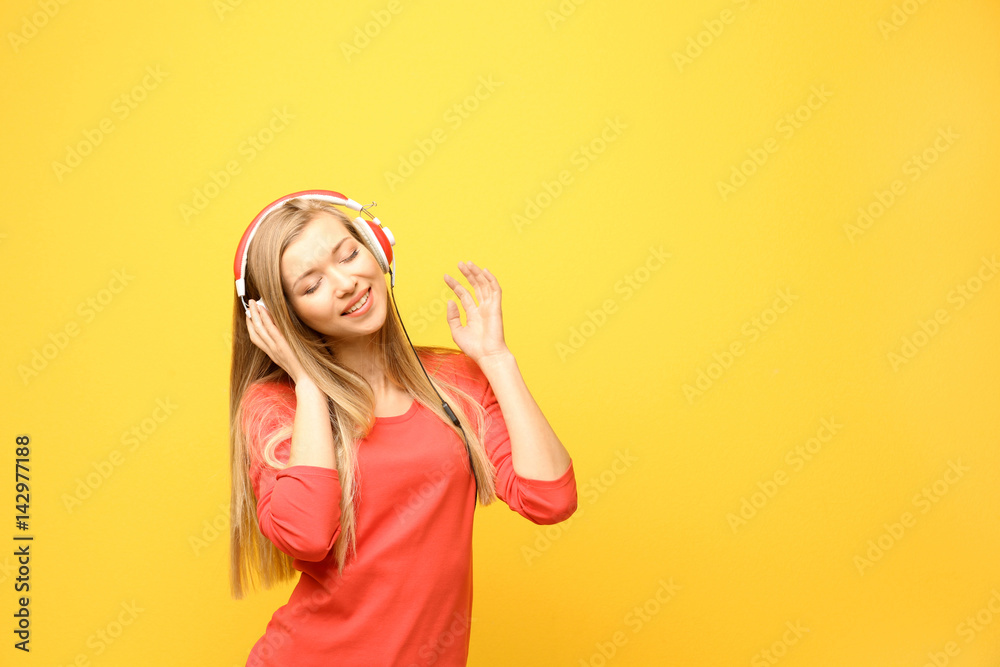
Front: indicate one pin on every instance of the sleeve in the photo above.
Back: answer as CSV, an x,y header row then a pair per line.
x,y
298,507
540,501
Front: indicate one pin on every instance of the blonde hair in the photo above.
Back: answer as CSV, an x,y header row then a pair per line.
x,y
351,399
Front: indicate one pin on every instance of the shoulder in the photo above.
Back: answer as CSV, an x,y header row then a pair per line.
x,y
454,366
266,406
267,388
264,396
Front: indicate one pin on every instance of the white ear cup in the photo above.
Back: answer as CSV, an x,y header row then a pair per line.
x,y
259,303
372,243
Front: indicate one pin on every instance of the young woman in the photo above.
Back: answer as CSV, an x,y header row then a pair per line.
x,y
346,464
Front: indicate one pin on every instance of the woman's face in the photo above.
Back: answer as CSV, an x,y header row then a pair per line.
x,y
325,272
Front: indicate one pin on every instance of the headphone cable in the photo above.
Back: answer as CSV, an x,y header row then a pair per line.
x,y
447,408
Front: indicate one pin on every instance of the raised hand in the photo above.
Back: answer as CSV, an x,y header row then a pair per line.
x,y
482,335
265,334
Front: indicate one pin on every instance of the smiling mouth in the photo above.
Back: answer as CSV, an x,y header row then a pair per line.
x,y
360,304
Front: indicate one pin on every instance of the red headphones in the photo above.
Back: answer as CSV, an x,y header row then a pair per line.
x,y
378,239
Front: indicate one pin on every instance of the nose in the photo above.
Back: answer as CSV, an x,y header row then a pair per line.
x,y
343,283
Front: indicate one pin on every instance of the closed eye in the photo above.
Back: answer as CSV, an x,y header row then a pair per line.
x,y
346,259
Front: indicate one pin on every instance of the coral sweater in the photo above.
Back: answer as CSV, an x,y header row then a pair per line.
x,y
406,598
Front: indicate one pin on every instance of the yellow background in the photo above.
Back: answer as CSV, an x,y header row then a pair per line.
x,y
560,73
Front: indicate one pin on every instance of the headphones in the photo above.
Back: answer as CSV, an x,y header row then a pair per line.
x,y
379,241
378,238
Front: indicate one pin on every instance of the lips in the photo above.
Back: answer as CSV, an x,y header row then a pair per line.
x,y
358,300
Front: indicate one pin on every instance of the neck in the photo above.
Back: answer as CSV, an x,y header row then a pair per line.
x,y
358,355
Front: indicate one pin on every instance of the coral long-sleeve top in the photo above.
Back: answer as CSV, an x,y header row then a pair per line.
x,y
406,598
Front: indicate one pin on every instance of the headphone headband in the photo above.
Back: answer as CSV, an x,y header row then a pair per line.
x,y
379,238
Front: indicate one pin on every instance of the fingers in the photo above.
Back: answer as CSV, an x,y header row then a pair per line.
x,y
474,275
265,335
258,324
484,285
484,282
453,316
492,280
462,293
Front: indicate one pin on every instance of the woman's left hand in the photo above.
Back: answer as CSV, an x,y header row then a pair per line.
x,y
482,336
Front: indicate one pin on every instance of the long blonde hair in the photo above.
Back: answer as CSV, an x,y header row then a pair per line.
x,y
351,399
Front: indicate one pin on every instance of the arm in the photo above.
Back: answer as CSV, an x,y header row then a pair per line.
x,y
312,434
541,501
298,507
536,451
542,488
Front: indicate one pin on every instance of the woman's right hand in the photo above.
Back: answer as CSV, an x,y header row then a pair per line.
x,y
265,334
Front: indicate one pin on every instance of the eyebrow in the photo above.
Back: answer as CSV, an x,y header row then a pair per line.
x,y
313,268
